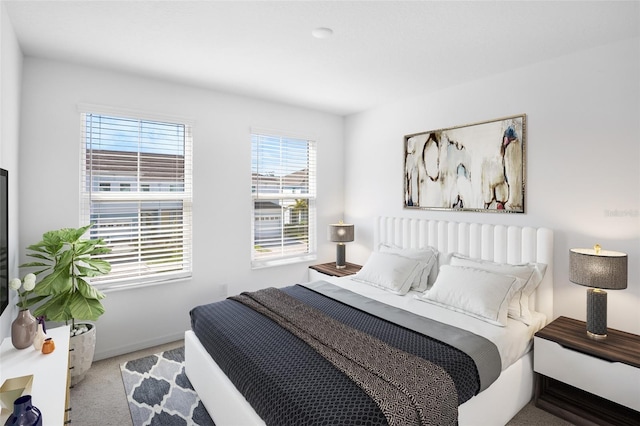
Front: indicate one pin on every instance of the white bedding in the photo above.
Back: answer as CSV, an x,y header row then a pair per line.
x,y
512,341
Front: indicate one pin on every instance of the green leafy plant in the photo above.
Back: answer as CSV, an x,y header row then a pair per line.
x,y
64,262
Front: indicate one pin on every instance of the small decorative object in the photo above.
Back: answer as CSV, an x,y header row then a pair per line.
x,y
341,233
24,327
11,390
24,413
477,167
38,340
598,269
48,346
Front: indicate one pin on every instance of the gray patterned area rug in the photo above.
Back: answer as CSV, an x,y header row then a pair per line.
x,y
159,393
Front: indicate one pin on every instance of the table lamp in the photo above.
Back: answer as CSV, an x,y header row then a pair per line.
x,y
599,269
341,233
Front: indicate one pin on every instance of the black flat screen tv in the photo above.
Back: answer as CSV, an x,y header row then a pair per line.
x,y
4,239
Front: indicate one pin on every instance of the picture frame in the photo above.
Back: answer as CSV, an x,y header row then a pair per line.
x,y
475,167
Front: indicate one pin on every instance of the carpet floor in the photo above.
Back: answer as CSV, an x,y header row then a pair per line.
x,y
159,392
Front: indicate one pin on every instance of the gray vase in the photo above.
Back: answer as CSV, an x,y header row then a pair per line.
x,y
23,329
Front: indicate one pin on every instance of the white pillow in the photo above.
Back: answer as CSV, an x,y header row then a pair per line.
x,y
428,257
531,273
443,259
389,271
475,292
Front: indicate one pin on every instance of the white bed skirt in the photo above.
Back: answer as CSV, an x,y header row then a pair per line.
x,y
496,405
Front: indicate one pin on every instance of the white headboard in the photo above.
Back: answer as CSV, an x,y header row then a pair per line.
x,y
499,243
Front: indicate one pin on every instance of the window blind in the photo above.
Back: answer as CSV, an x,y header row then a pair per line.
x,y
137,193
283,188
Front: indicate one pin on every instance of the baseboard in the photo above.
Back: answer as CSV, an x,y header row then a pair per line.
x,y
139,345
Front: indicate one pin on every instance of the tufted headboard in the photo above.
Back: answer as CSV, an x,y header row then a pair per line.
x,y
498,243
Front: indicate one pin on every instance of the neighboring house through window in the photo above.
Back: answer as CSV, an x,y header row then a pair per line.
x,y
136,190
283,189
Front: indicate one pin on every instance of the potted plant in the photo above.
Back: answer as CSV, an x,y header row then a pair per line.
x,y
64,262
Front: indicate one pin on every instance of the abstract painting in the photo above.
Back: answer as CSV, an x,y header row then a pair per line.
x,y
475,167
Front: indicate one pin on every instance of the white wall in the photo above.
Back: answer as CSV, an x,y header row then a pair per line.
x,y
49,172
583,117
583,160
10,81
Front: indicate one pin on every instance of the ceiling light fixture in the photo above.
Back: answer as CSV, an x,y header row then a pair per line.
x,y
322,32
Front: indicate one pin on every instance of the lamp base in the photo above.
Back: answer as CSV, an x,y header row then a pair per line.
x,y
341,256
596,336
596,314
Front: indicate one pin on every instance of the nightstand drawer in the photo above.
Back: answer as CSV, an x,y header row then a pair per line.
x,y
316,276
614,381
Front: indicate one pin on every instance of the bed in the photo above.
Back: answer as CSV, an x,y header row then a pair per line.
x,y
460,248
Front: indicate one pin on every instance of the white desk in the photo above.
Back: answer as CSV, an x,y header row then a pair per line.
x,y
50,374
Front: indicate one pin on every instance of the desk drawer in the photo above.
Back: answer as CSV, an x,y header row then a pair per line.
x,y
614,381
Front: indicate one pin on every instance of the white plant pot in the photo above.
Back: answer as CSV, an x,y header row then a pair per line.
x,y
81,350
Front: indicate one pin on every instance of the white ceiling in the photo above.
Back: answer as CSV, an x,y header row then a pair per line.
x,y
381,51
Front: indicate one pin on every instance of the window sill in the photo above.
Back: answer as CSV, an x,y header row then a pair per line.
x,y
114,287
261,264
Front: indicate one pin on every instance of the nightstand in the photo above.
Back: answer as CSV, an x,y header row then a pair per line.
x,y
319,272
587,381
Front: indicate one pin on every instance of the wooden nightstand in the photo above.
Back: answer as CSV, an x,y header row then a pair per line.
x,y
318,272
586,381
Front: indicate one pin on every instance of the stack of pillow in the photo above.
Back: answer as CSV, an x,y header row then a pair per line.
x,y
483,289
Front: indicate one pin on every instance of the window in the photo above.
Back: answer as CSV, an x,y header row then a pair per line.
x,y
283,188
136,190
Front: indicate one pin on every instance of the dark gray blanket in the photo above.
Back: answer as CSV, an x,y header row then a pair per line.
x,y
288,383
408,389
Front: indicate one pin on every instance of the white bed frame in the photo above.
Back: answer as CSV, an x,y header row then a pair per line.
x,y
497,404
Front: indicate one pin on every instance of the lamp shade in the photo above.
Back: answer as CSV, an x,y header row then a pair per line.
x,y
341,232
598,268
